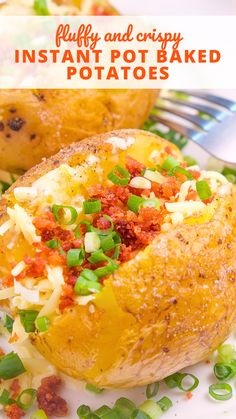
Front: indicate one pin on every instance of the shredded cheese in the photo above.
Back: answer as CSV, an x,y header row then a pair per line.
x,y
187,208
7,293
120,143
18,268
5,227
23,222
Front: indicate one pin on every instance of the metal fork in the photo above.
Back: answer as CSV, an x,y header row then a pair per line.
x,y
216,135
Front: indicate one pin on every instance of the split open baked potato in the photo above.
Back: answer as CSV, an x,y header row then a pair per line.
x,y
126,256
38,123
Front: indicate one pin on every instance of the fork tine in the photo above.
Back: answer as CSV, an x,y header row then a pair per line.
x,y
215,113
186,131
226,103
206,125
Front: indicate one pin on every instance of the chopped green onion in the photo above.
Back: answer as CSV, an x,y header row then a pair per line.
x,y
42,323
203,190
9,323
138,414
92,206
106,270
5,399
124,407
116,252
152,390
224,371
172,380
119,176
11,366
228,171
52,244
60,213
77,232
134,203
151,203
102,411
180,382
41,7
89,275
182,171
221,391
27,318
107,243
26,398
190,161
165,403
86,287
75,257
103,232
84,411
231,178
97,257
151,408
93,389
226,353
170,163
40,414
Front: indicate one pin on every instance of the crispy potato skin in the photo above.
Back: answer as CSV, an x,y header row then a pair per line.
x,y
38,123
166,309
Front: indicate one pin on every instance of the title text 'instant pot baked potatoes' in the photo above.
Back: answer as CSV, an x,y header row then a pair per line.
x,y
38,123
126,256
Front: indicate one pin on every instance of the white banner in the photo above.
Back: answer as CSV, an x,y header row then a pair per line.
x,y
117,52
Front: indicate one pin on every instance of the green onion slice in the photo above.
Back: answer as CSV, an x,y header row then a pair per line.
x,y
106,270
203,190
124,407
75,257
93,389
40,414
42,324
89,274
103,232
84,286
9,323
172,380
170,163
84,411
102,411
52,244
152,390
97,257
27,318
119,176
165,403
116,252
138,414
135,202
41,7
183,386
190,161
26,398
226,353
11,366
221,391
92,206
151,203
224,371
182,171
151,408
5,399
107,243
60,213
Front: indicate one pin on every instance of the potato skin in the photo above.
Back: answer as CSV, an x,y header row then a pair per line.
x,y
166,309
37,124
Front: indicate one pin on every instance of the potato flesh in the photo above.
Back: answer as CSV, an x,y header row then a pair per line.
x,y
165,309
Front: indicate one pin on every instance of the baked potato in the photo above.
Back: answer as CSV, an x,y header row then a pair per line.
x,y
126,256
38,123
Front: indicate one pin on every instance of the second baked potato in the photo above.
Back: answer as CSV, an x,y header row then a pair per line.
x,y
36,124
125,256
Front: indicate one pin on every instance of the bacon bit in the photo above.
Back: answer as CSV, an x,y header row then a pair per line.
x,y
209,200
192,195
35,267
168,189
196,174
7,281
48,400
168,150
14,412
14,338
49,229
2,352
188,395
67,297
115,195
134,167
55,258
15,388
